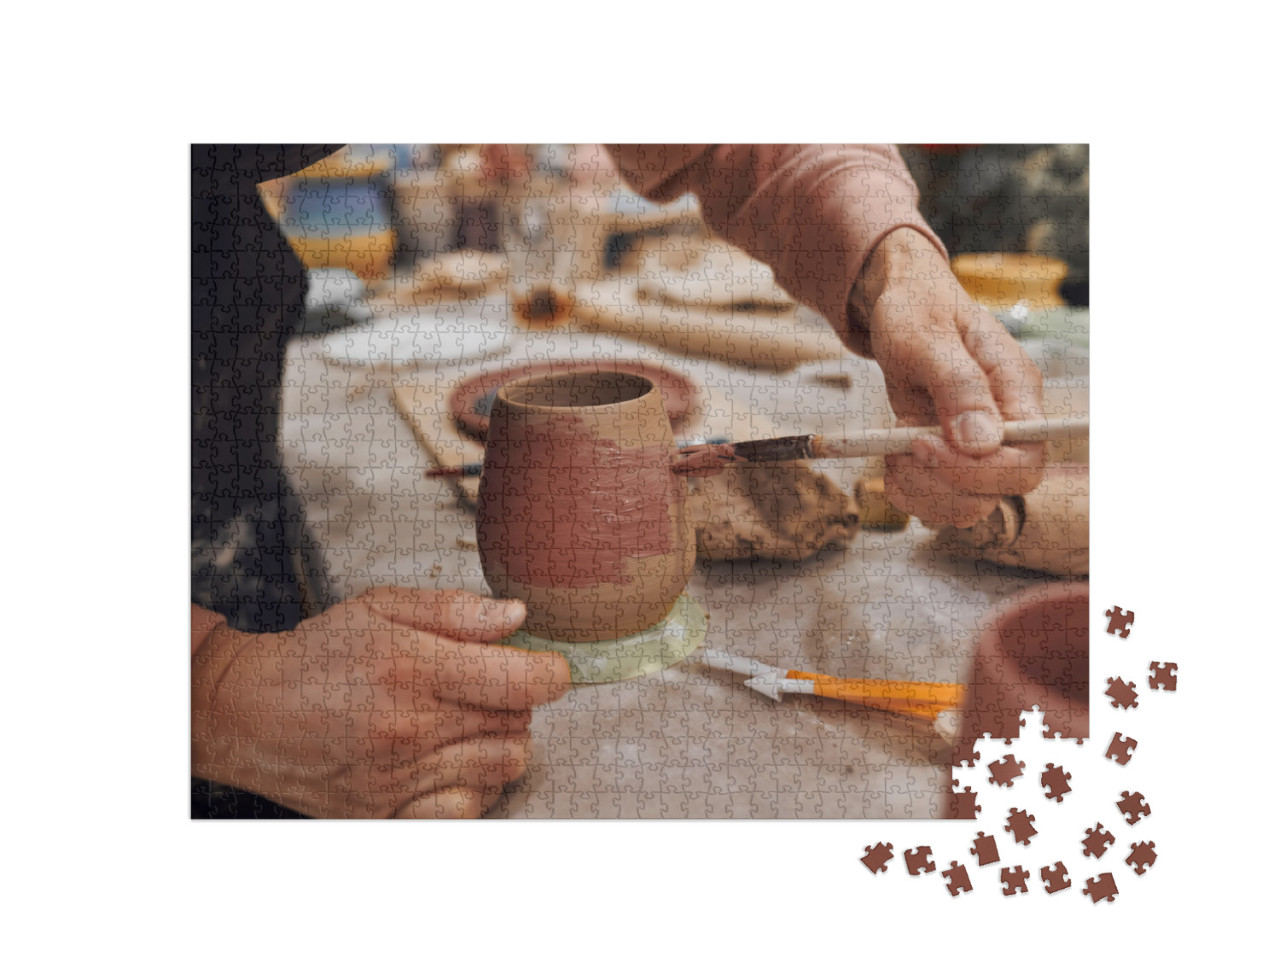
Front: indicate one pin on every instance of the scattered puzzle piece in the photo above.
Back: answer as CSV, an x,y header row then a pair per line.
x,y
1164,676
1006,770
1119,622
1103,886
1055,879
1141,856
1019,824
964,804
1121,749
957,879
1015,880
1054,781
1096,841
877,859
918,861
1122,693
984,847
1133,806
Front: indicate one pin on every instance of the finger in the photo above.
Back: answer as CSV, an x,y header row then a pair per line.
x,y
407,735
492,676
455,802
455,614
930,355
926,494
482,764
1011,470
1016,381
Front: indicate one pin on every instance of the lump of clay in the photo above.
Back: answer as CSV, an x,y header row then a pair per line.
x,y
1044,531
781,510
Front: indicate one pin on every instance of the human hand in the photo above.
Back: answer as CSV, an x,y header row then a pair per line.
x,y
389,704
946,361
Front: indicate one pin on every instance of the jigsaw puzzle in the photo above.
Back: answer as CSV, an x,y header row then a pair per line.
x,y
650,394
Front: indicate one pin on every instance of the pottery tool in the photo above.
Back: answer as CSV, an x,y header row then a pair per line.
x,y
708,459
934,702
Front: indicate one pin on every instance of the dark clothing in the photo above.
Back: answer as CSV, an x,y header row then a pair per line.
x,y
247,298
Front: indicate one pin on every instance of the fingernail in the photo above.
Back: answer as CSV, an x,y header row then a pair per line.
x,y
924,452
976,429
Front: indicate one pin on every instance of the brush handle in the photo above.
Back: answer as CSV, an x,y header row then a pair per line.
x,y
897,441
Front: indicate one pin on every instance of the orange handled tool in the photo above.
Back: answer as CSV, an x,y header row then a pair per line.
x,y
920,700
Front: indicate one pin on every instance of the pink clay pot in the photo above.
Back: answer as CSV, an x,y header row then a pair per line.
x,y
580,515
1033,651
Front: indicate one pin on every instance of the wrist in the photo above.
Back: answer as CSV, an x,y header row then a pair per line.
x,y
903,256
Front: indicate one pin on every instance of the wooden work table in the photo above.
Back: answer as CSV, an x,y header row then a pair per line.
x,y
688,741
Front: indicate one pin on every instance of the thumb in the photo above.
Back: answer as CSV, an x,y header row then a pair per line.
x,y
962,397
454,614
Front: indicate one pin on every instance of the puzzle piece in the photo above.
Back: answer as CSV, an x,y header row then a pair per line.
x,y
1006,770
984,847
918,861
1101,887
1019,824
957,879
1133,806
1123,694
1141,856
1119,621
877,859
1055,879
1015,880
1121,749
1164,675
1096,841
964,804
1054,781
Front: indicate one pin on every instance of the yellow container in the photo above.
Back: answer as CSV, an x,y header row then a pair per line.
x,y
1002,280
367,254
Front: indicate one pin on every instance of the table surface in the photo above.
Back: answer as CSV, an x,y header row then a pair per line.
x,y
687,741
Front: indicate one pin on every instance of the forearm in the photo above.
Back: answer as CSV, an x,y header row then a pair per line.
x,y
814,213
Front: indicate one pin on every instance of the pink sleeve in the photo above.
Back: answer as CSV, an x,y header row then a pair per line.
x,y
812,213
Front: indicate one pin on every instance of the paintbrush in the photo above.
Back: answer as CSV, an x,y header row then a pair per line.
x,y
708,459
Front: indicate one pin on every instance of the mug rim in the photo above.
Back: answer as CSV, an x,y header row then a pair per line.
x,y
645,385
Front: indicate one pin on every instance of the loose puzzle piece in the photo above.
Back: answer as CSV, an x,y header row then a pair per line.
x,y
1055,879
1015,880
1019,823
1006,770
877,859
1141,856
965,804
1054,781
1123,694
1096,841
918,861
1103,886
1164,675
1121,749
984,847
1133,806
957,879
1119,622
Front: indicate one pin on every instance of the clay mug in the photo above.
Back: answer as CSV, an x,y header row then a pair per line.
x,y
580,515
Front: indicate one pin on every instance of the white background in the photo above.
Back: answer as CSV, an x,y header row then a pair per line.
x,y
102,107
